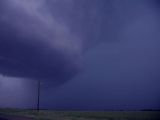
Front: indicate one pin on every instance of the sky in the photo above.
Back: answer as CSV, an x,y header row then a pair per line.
x,y
88,54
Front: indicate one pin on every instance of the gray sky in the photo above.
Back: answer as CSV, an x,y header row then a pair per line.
x,y
89,54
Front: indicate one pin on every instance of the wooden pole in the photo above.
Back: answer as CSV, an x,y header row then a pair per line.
x,y
38,96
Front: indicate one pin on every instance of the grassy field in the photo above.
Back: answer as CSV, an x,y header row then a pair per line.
x,y
78,115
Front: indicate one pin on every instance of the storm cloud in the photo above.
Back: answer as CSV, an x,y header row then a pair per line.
x,y
52,40
35,44
42,39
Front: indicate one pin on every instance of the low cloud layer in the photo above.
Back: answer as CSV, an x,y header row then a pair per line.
x,y
34,44
47,40
42,39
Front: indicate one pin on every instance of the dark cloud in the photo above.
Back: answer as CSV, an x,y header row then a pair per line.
x,y
34,44
118,75
45,39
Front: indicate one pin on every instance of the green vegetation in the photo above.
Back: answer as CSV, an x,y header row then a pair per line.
x,y
77,115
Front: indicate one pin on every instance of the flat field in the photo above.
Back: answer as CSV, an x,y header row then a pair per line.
x,y
81,115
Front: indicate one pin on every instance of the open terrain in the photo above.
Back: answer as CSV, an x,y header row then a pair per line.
x,y
18,114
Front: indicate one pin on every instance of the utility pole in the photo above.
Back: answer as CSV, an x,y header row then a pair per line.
x,y
38,96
